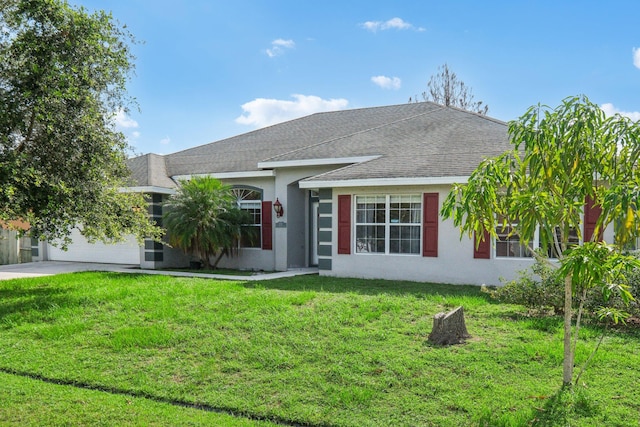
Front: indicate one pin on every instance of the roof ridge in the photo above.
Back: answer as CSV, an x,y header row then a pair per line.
x,y
475,113
149,168
326,141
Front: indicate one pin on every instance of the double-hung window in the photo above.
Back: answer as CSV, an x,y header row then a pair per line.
x,y
508,244
250,201
389,224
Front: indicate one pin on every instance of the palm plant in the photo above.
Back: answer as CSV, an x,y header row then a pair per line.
x,y
235,231
202,219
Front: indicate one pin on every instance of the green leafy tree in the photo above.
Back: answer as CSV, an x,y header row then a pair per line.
x,y
62,80
446,89
202,218
560,158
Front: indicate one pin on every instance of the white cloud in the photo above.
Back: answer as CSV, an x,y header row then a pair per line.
x,y
123,120
165,141
263,112
387,82
393,23
610,110
284,43
636,57
279,46
135,134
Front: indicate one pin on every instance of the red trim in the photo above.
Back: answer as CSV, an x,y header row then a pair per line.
x,y
267,226
430,220
591,215
344,224
482,248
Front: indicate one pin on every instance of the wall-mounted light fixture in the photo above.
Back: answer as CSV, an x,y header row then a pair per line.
x,y
277,207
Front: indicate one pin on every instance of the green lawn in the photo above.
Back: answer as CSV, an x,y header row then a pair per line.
x,y
221,271
307,350
29,402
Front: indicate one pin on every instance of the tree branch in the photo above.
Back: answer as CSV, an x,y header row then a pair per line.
x,y
586,363
27,138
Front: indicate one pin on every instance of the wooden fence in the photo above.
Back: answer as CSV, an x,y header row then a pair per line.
x,y
14,249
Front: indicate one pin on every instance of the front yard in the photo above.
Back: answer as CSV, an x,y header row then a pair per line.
x,y
114,349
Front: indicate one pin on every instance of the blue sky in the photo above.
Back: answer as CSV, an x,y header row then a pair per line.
x,y
207,70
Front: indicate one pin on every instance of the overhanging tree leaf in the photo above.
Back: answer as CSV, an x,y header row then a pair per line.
x,y
63,75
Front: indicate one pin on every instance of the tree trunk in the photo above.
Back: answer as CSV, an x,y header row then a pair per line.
x,y
206,261
449,328
218,258
567,365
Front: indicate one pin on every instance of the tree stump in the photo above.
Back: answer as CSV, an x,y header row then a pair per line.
x,y
449,328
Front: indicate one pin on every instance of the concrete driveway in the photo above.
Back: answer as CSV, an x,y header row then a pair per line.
x,y
48,268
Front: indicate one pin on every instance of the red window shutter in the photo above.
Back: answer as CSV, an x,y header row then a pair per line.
x,y
482,248
430,219
344,224
267,226
591,215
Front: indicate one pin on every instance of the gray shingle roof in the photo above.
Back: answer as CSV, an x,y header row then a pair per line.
x,y
412,140
150,170
438,143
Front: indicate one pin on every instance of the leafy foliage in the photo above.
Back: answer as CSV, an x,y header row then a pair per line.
x,y
62,79
539,289
560,159
202,218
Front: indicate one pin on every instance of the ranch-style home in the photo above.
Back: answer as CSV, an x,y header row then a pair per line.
x,y
355,193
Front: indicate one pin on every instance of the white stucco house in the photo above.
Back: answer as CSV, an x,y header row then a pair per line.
x,y
360,190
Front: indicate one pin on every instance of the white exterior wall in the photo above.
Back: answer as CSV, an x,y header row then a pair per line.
x,y
454,264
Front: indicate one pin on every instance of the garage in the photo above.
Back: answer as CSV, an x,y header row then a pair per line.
x,y
80,250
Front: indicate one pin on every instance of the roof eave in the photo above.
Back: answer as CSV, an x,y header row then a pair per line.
x,y
227,175
383,182
148,189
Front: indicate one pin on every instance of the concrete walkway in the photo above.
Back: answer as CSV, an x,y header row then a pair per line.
x,y
49,268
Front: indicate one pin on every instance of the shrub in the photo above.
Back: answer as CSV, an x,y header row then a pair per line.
x,y
541,289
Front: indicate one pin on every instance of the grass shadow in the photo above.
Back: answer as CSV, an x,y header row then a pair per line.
x,y
21,300
317,283
563,408
550,323
539,322
566,407
29,299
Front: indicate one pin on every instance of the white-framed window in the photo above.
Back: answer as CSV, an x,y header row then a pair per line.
x,y
573,240
250,200
508,244
388,224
